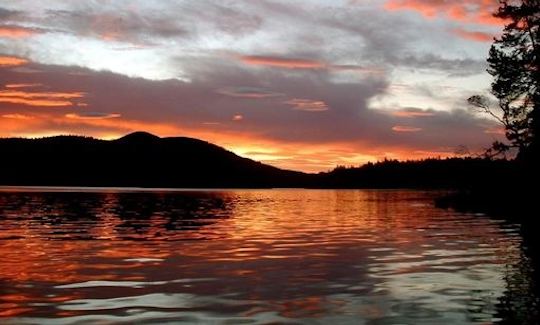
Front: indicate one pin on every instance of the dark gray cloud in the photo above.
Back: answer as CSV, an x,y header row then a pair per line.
x,y
453,67
6,14
123,26
248,92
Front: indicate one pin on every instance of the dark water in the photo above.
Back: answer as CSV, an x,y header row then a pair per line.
x,y
256,257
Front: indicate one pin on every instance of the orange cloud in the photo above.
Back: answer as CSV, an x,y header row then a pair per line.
x,y
12,123
11,86
307,105
303,64
286,63
473,11
16,32
92,116
110,36
411,113
35,102
402,128
473,35
23,94
423,7
17,116
45,99
238,117
11,61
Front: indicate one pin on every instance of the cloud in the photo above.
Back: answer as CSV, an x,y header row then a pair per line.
x,y
11,86
11,61
24,69
457,67
403,128
92,115
17,116
6,14
276,35
307,105
279,62
473,35
35,102
412,113
42,99
247,92
37,95
476,11
7,31
303,64
120,25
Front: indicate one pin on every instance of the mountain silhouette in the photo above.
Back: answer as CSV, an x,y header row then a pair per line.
x,y
138,159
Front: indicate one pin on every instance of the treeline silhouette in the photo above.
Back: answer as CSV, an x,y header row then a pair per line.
x,y
144,160
451,173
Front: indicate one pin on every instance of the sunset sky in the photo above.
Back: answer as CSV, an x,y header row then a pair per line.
x,y
303,84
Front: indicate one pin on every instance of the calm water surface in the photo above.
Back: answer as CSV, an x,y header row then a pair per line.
x,y
255,257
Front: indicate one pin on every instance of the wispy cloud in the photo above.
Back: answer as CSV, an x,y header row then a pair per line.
x,y
302,64
307,105
44,99
7,31
280,62
12,86
477,11
476,36
92,116
17,116
11,61
248,92
411,113
403,128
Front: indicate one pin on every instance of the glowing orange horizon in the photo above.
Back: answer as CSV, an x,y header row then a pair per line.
x,y
307,157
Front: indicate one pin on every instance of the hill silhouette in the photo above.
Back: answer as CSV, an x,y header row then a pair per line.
x,y
137,159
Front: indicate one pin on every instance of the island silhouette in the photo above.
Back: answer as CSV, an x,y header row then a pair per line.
x,y
141,159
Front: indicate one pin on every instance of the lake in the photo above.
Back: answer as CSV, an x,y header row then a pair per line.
x,y
256,257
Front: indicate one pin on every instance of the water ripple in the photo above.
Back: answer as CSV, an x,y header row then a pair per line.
x,y
258,257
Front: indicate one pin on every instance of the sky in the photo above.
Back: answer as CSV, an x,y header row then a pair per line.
x,y
299,84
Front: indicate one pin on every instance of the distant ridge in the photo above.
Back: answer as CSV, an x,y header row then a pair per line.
x,y
138,159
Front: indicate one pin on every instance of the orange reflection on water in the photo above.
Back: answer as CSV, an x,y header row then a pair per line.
x,y
296,254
